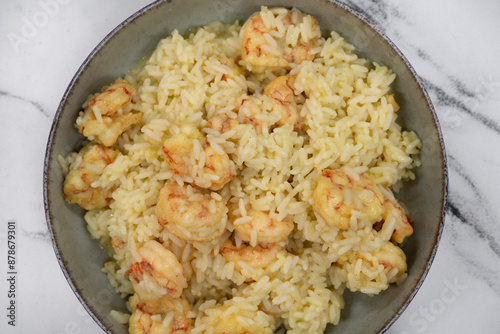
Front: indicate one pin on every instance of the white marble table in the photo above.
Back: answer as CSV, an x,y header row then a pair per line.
x,y
452,45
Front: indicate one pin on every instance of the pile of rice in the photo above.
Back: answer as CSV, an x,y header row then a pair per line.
x,y
349,124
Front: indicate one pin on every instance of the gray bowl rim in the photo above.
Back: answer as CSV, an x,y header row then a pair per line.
x,y
144,10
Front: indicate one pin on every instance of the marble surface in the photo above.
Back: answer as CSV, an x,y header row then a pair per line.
x,y
451,44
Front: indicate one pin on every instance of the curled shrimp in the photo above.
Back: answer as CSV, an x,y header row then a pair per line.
x,y
222,123
178,149
260,256
189,214
402,227
274,38
157,273
265,228
281,93
243,320
141,322
117,243
248,111
230,69
108,115
388,262
244,106
337,194
77,186
148,316
392,256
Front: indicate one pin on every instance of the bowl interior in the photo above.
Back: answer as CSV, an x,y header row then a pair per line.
x,y
82,258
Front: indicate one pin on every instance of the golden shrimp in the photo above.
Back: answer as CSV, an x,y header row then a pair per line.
x,y
219,165
281,92
403,227
234,323
143,322
117,243
189,214
391,256
177,151
337,194
249,109
114,97
231,69
157,273
267,229
77,186
256,257
104,118
223,123
278,41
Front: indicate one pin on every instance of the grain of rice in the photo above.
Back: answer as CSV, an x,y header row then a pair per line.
x,y
242,220
271,50
242,207
119,317
253,238
357,200
168,319
212,206
348,196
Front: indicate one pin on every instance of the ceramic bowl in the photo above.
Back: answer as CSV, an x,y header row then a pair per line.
x,y
81,258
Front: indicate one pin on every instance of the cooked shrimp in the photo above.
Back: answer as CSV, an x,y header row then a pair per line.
x,y
107,130
337,194
281,92
391,256
256,257
189,214
219,165
230,67
403,228
78,183
277,41
266,229
158,273
222,123
241,321
248,109
177,151
108,114
114,97
142,321
117,243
